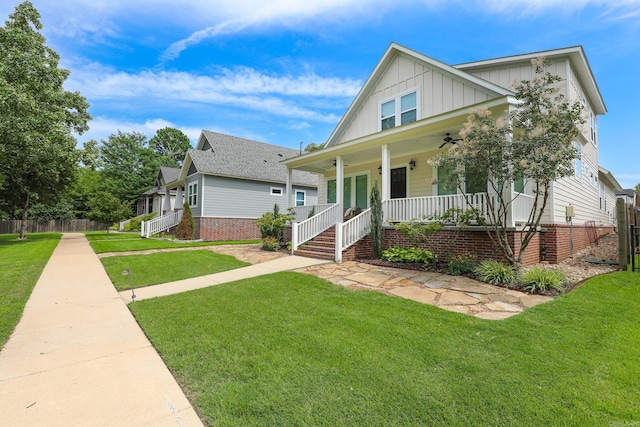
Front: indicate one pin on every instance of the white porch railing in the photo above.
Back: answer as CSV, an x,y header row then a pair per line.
x,y
522,205
304,212
421,207
351,231
160,224
309,228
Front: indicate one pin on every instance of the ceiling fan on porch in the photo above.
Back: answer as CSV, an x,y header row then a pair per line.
x,y
447,139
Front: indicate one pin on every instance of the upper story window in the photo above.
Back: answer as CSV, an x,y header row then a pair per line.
x,y
398,111
593,122
578,165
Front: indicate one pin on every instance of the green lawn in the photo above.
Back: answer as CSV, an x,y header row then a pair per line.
x,y
166,267
114,242
290,349
103,235
21,263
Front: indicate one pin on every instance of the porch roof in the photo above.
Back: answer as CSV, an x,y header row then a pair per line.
x,y
416,137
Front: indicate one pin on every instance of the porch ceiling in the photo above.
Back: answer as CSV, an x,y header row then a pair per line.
x,y
422,136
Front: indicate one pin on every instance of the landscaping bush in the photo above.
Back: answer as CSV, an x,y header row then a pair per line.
x,y
272,224
134,223
462,264
495,273
185,229
398,254
270,244
542,279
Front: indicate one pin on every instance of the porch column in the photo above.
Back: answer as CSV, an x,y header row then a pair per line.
x,y
179,199
340,182
167,202
386,173
289,189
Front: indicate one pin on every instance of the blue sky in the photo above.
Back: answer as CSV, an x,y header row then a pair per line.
x,y
284,71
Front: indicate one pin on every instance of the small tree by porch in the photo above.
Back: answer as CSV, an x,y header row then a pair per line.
x,y
531,146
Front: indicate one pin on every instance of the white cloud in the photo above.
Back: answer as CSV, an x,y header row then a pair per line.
x,y
244,87
101,127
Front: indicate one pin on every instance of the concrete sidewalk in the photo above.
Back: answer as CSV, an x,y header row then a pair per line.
x,y
78,357
281,264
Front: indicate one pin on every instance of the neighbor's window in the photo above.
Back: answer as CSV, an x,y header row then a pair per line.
x,y
276,191
192,194
401,110
301,197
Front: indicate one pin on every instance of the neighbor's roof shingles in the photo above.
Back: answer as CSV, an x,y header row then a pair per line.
x,y
242,158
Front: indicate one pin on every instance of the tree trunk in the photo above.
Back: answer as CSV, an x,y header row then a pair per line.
x,y
23,221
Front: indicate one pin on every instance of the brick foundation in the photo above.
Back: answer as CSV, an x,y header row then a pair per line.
x,y
552,244
218,229
562,241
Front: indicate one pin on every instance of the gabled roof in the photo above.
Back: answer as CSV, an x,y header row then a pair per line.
x,y
235,157
576,56
392,51
168,174
607,177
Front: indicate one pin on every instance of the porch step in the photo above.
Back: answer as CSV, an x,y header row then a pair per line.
x,y
322,246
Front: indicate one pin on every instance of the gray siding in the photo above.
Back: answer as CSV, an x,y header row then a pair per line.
x,y
237,198
195,210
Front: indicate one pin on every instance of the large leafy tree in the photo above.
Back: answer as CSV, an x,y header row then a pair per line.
x,y
129,165
37,117
532,146
107,209
172,146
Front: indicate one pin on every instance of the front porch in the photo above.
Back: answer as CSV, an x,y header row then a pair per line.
x,y
346,233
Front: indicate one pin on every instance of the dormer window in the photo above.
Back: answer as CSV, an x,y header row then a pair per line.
x,y
398,111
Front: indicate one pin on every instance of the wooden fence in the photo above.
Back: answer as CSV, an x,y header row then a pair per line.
x,y
53,226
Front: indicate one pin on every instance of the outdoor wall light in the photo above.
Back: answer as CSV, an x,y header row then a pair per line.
x,y
412,164
380,170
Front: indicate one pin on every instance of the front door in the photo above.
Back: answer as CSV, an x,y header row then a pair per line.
x,y
399,183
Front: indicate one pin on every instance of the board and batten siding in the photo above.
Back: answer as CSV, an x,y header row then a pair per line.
x,y
237,198
439,92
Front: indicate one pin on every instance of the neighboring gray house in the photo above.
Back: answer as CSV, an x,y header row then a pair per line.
x,y
230,182
153,200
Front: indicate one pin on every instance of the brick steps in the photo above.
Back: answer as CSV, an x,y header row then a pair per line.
x,y
322,246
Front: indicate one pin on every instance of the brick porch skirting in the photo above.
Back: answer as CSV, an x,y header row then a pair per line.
x,y
552,244
218,229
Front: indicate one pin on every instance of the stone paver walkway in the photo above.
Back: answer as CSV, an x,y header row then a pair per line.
x,y
453,293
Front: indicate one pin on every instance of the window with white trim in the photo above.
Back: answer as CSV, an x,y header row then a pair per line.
x,y
398,111
192,194
301,198
578,165
277,191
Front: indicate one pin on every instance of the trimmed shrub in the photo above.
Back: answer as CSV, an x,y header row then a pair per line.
x,y
462,264
271,244
398,254
273,224
185,230
134,223
538,279
495,273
